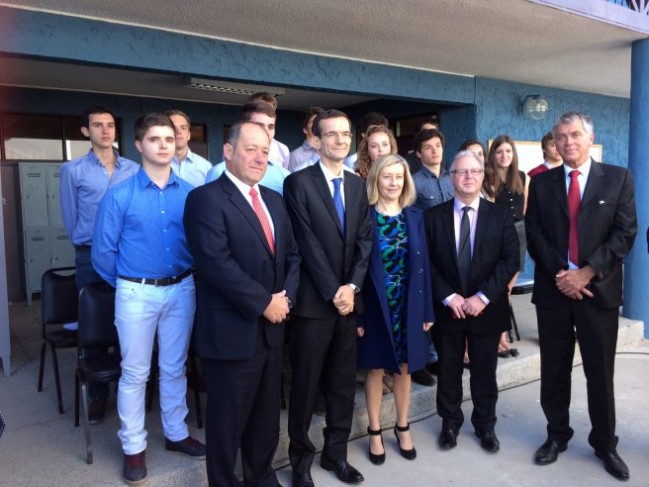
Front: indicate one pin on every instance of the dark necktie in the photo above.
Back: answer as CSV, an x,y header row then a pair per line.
x,y
338,202
574,203
263,219
464,250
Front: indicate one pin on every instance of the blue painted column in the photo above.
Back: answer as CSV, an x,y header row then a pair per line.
x,y
636,279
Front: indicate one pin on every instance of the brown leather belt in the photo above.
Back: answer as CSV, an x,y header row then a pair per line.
x,y
163,281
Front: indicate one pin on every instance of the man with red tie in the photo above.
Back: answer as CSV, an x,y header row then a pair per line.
x,y
241,238
580,223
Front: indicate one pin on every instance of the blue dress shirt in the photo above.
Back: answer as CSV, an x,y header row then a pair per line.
x,y
139,230
193,169
273,179
432,191
83,183
306,153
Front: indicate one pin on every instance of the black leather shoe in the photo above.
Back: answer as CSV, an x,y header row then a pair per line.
x,y
376,458
549,452
302,480
448,439
489,441
614,464
407,454
423,377
343,470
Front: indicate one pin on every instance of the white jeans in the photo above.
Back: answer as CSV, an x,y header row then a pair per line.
x,y
140,310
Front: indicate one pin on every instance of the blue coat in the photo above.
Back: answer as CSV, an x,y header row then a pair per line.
x,y
376,347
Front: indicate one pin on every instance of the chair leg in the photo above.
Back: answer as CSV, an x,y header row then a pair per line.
x,y
514,323
42,367
86,421
76,399
57,379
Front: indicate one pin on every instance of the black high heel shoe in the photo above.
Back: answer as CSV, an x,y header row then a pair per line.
x,y
407,454
376,459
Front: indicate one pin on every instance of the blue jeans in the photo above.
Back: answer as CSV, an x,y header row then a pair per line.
x,y
85,275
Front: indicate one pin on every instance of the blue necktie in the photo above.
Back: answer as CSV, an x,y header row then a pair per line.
x,y
338,202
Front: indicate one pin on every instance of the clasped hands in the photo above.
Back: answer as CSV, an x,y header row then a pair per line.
x,y
344,300
463,307
277,310
572,283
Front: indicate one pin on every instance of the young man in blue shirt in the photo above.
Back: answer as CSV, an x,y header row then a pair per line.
x,y
139,246
83,183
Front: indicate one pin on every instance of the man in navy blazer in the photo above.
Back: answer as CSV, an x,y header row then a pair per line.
x,y
470,307
578,283
240,236
329,210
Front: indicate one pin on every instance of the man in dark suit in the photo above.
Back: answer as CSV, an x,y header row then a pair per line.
x,y
329,210
473,250
580,223
248,272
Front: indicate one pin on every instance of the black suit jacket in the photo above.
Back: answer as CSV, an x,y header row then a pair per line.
x,y
236,271
330,257
494,262
607,228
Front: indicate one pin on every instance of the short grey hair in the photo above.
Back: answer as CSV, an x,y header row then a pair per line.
x,y
465,153
573,117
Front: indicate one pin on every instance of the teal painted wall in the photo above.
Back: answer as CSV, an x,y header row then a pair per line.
x,y
497,112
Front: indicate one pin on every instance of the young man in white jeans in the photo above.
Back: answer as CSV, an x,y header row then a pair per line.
x,y
139,247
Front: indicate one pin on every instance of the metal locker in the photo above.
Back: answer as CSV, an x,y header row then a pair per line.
x,y
53,189
33,190
61,250
37,258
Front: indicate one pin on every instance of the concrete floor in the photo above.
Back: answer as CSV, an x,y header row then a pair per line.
x,y
42,448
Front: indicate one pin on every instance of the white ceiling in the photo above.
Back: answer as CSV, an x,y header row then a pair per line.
x,y
514,40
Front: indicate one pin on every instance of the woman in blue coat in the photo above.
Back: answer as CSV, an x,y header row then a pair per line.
x,y
397,298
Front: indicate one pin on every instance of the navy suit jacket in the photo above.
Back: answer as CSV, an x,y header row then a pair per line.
x,y
237,273
376,347
607,228
494,262
331,257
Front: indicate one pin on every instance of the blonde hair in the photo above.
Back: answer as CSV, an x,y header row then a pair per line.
x,y
408,194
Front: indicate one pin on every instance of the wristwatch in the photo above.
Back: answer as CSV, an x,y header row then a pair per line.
x,y
354,287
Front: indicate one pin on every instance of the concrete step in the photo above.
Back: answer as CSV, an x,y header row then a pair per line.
x,y
41,447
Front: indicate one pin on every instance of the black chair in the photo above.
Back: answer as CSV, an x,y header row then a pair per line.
x,y
59,301
96,331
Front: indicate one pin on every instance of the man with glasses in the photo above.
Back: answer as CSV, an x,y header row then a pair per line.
x,y
332,225
473,250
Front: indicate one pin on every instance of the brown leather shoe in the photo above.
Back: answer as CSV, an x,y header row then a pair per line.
x,y
134,471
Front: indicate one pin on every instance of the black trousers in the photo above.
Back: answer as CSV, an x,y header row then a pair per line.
x,y
596,330
243,406
483,354
323,354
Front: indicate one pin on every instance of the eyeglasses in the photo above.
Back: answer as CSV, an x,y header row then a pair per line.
x,y
465,172
343,135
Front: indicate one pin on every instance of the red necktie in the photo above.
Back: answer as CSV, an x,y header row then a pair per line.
x,y
574,203
263,219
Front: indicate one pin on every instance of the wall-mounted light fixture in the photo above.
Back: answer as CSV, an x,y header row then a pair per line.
x,y
228,87
535,107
